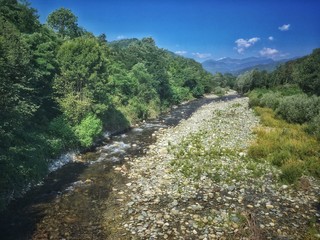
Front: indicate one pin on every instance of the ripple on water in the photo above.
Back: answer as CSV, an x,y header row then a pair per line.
x,y
62,160
137,130
153,125
78,184
116,147
106,134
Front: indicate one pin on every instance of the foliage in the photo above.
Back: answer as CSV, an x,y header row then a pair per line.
x,y
250,80
144,79
60,86
89,128
270,100
307,73
298,108
20,14
81,84
289,102
304,72
64,22
313,127
60,130
219,91
15,87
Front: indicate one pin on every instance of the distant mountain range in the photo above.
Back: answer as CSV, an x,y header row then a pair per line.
x,y
238,66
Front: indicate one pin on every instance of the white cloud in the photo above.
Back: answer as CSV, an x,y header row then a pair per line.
x,y
284,27
271,38
181,52
202,55
121,37
268,52
242,44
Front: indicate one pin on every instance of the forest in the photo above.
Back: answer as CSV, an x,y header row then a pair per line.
x,y
62,87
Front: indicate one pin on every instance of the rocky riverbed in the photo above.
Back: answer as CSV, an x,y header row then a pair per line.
x,y
196,182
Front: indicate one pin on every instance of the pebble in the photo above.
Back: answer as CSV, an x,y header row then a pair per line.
x,y
160,197
269,206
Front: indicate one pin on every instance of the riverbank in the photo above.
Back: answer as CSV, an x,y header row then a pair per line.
x,y
196,182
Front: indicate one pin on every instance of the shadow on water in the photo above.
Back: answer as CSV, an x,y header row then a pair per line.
x,y
21,216
71,201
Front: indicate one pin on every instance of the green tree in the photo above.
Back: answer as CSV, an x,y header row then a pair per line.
x,y
307,73
82,82
64,22
143,82
43,47
15,87
89,128
244,82
20,14
102,38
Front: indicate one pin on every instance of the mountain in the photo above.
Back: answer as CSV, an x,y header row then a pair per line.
x,y
238,66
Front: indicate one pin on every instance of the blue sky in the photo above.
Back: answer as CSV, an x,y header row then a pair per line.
x,y
203,29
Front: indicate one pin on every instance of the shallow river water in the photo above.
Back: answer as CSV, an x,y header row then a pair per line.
x,y
70,202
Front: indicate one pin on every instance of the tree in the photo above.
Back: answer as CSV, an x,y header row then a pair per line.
x,y
43,46
89,128
20,14
16,92
102,38
307,73
18,155
244,82
64,22
82,82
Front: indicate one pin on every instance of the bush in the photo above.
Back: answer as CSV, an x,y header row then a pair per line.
x,y
89,128
198,91
255,96
271,97
270,100
180,94
291,171
219,91
313,127
298,108
61,134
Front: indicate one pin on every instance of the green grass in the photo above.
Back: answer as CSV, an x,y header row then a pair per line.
x,y
287,146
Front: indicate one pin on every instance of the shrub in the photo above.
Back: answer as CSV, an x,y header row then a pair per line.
x,y
180,94
270,100
313,166
291,171
198,91
255,96
219,91
61,131
298,108
313,127
89,128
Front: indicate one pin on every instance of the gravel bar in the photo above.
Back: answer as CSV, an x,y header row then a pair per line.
x,y
196,182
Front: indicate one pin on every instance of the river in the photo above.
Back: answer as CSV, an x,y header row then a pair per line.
x,y
70,202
